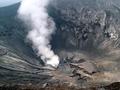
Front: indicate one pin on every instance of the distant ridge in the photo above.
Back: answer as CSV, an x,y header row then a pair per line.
x,y
9,10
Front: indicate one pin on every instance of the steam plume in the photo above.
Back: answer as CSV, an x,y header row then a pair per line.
x,y
34,13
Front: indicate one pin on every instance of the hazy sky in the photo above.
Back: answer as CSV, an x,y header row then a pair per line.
x,y
7,2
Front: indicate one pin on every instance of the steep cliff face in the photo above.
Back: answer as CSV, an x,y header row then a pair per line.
x,y
87,39
86,25
89,29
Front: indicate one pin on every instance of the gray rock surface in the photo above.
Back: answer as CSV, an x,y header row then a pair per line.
x,y
85,29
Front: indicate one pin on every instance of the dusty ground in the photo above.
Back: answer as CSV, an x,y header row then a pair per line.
x,y
114,86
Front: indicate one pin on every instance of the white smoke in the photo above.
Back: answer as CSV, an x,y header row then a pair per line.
x,y
34,13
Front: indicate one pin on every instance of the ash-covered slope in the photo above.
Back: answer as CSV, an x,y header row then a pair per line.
x,y
18,62
12,34
85,29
